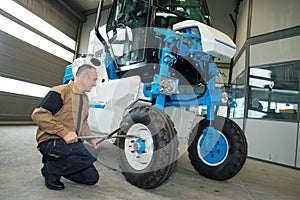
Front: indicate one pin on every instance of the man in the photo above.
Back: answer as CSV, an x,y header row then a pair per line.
x,y
61,117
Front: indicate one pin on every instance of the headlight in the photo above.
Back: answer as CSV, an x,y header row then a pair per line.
x,y
224,98
168,85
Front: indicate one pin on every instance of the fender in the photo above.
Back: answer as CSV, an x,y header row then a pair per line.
x,y
214,42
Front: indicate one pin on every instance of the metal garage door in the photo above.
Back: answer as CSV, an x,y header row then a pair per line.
x,y
20,60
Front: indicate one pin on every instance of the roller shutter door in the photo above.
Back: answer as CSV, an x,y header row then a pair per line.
x,y
22,61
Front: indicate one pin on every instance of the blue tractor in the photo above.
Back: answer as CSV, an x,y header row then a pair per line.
x,y
157,87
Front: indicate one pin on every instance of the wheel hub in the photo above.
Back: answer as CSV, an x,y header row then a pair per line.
x,y
212,147
139,146
139,151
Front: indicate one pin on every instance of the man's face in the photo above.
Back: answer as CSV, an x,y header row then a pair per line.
x,y
90,79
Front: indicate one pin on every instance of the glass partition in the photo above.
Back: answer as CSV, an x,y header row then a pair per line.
x,y
274,91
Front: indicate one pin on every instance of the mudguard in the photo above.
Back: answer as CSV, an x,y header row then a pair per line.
x,y
213,41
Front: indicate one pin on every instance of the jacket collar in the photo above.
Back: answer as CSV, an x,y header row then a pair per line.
x,y
74,88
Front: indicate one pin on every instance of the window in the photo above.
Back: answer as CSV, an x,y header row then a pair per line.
x,y
126,30
189,9
274,91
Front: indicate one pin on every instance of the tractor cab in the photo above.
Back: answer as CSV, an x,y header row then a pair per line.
x,y
130,37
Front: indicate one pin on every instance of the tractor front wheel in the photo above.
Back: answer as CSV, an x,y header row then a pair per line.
x,y
217,150
148,156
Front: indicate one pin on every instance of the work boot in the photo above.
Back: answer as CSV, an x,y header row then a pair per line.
x,y
52,183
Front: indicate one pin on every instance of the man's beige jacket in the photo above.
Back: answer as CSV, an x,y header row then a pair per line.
x,y
58,113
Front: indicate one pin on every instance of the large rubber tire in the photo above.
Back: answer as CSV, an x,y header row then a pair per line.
x,y
232,152
148,160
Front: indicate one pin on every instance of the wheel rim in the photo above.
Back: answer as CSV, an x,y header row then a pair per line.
x,y
139,151
214,155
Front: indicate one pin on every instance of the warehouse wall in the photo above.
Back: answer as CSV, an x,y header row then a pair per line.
x,y
269,39
273,15
88,27
54,13
85,33
20,60
242,27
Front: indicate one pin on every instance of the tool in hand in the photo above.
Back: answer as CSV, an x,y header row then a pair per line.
x,y
109,136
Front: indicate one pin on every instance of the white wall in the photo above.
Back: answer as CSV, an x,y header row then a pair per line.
x,y
239,122
277,51
298,149
273,141
273,15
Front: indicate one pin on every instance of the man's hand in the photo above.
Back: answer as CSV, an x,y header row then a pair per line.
x,y
71,137
94,143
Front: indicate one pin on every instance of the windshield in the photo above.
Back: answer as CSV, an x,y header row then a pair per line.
x,y
190,9
126,30
131,13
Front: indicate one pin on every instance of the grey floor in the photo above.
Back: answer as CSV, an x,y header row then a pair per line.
x,y
20,178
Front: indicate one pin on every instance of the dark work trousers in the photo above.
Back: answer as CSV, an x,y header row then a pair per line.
x,y
72,161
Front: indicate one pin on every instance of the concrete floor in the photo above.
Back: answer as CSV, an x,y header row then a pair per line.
x,y
20,178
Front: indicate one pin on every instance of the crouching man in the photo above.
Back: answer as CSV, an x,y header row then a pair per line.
x,y
61,117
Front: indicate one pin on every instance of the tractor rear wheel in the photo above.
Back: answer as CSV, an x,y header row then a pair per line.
x,y
149,157
221,158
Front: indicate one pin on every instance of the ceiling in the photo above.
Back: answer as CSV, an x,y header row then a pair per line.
x,y
84,6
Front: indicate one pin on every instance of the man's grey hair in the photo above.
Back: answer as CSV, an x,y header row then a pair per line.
x,y
84,68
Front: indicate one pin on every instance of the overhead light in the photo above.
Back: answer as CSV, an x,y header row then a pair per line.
x,y
34,39
39,24
22,87
225,97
